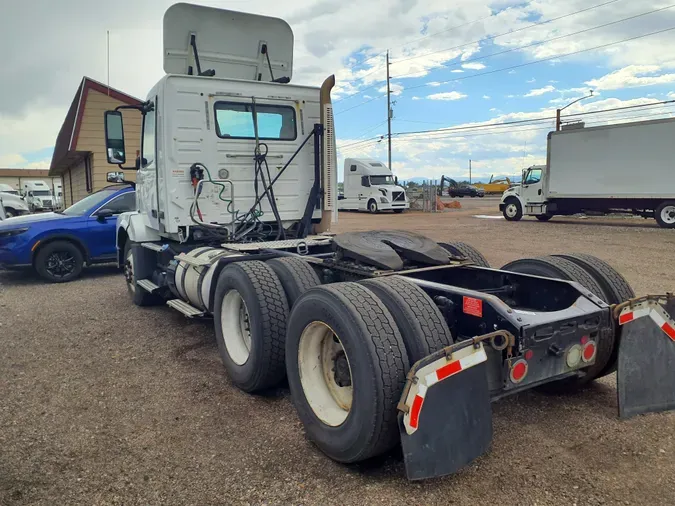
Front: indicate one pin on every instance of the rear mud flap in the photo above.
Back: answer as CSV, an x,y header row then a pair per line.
x,y
446,418
646,367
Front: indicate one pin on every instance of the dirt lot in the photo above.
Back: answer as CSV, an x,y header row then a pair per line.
x,y
102,402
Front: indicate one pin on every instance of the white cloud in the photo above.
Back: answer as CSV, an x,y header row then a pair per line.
x,y
450,95
530,81
486,97
540,91
631,76
417,98
396,89
473,66
457,71
433,83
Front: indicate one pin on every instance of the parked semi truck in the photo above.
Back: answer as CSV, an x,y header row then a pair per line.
x,y
39,196
385,337
369,185
606,169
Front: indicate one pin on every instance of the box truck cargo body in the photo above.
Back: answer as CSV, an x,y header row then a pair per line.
x,y
615,168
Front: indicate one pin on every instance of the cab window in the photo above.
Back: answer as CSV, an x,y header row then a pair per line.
x,y
534,176
234,120
148,138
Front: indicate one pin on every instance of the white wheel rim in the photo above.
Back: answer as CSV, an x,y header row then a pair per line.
x,y
129,266
321,362
235,322
511,210
668,215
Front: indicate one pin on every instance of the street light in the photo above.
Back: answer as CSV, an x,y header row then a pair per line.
x,y
557,113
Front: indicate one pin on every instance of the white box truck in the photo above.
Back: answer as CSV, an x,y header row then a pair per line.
x,y
628,167
370,186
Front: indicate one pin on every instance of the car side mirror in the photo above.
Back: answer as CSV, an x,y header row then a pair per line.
x,y
104,214
114,138
115,177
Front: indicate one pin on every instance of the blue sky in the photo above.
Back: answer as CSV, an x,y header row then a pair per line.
x,y
431,41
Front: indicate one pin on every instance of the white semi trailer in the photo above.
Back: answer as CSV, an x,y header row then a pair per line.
x,y
616,168
385,337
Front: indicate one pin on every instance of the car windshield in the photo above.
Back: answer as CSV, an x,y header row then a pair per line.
x,y
41,193
93,200
381,180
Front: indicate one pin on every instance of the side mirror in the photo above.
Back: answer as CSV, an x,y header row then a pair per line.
x,y
103,214
115,177
114,138
396,180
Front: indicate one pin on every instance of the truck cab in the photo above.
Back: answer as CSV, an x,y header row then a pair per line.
x,y
369,185
38,196
528,197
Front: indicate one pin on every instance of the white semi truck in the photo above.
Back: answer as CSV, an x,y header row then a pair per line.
x,y
386,337
616,168
39,196
370,186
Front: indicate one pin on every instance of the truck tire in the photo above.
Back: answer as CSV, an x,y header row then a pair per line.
x,y
296,276
372,206
463,249
560,268
513,211
422,325
665,214
615,289
59,261
250,313
10,212
544,217
341,335
139,296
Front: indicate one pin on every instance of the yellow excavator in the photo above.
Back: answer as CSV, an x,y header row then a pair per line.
x,y
495,186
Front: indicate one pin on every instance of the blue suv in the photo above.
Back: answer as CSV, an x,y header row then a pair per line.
x,y
57,245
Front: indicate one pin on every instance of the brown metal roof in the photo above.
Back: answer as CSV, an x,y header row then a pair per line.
x,y
24,173
66,142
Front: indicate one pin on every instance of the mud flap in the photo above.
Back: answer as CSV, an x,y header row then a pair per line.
x,y
447,417
646,367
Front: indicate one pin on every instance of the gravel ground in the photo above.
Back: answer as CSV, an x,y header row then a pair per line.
x,y
103,402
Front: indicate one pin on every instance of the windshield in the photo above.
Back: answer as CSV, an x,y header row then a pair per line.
x,y
41,193
13,192
93,200
381,180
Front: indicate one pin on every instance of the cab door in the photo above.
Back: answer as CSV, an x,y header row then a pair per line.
x,y
532,186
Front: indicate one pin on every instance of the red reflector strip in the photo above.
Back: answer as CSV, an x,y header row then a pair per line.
x,y
625,318
448,370
669,330
415,411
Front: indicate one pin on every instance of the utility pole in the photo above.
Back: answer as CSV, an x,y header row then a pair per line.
x,y
469,170
388,113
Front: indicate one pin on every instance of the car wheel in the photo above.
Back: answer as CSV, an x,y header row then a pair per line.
x,y
59,262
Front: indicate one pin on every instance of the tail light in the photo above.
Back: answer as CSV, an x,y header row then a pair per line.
x,y
573,355
589,351
518,371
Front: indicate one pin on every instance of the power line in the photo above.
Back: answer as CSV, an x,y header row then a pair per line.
x,y
378,139
492,37
407,44
360,104
462,128
541,60
545,41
